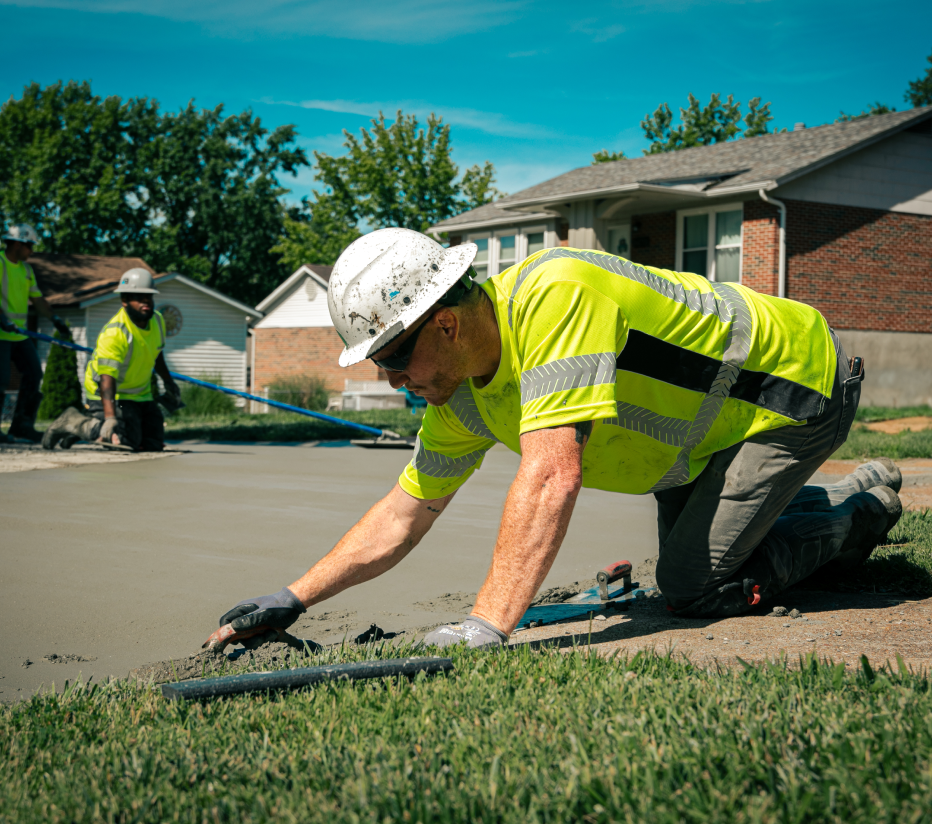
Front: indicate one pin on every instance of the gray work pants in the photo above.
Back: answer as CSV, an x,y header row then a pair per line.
x,y
728,520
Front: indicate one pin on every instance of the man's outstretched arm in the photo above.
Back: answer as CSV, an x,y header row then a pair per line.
x,y
537,513
383,536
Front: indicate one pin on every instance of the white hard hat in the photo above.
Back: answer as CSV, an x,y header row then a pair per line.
x,y
22,232
137,280
384,281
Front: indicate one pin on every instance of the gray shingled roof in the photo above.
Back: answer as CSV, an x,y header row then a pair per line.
x,y
740,165
489,213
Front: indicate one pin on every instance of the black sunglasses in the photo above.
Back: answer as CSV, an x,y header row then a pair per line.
x,y
398,360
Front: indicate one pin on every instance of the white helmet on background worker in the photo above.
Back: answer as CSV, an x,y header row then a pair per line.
x,y
137,280
384,281
22,233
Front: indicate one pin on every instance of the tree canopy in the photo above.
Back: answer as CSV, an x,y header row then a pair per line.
x,y
699,125
397,174
192,191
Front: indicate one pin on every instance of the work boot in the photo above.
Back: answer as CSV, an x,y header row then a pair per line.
x,y
874,514
24,417
821,498
73,426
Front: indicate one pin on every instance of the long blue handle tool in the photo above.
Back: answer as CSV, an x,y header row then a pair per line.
x,y
386,434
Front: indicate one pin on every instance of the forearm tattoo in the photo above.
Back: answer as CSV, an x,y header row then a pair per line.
x,y
583,431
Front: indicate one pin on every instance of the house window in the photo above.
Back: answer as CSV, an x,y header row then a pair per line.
x,y
709,243
503,248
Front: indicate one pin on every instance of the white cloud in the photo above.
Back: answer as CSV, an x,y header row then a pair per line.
x,y
488,122
403,21
599,32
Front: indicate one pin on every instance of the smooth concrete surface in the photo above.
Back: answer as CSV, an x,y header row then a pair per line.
x,y
135,562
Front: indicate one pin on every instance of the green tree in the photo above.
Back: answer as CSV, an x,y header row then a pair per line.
x,y
60,385
873,109
919,91
403,175
478,186
606,156
319,236
70,165
215,191
192,191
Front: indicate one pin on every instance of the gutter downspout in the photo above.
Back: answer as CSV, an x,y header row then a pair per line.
x,y
781,277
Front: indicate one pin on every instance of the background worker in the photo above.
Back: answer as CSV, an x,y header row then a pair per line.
x,y
18,288
601,373
118,378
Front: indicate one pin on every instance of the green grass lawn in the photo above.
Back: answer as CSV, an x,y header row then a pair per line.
x,y
520,737
869,414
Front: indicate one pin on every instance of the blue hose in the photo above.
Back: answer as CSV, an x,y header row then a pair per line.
x,y
371,430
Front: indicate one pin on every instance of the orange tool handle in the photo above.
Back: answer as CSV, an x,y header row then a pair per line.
x,y
613,572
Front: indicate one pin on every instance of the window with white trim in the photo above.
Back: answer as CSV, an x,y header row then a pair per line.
x,y
708,242
502,248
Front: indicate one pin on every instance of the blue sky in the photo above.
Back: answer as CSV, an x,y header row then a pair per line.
x,y
535,87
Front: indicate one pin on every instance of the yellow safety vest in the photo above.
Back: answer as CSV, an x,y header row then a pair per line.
x,y
668,367
17,285
128,354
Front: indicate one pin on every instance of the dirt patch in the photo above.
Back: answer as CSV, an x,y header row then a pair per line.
x,y
839,626
898,425
214,663
55,658
24,457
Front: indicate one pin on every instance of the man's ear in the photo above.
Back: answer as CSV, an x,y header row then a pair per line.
x,y
448,322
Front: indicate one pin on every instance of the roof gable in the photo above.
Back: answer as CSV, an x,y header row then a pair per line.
x,y
315,271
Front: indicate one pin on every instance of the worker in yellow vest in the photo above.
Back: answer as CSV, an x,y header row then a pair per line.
x,y
717,400
121,409
18,288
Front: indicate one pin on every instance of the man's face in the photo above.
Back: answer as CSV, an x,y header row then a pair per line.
x,y
138,306
18,251
433,370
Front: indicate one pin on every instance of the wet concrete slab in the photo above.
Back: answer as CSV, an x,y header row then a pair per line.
x,y
128,563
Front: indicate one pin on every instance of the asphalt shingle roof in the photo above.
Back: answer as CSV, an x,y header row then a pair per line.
x,y
739,164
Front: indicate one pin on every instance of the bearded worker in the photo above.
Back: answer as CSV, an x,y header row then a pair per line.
x,y
601,373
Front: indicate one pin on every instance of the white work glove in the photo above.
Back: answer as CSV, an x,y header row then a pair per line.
x,y
112,428
474,632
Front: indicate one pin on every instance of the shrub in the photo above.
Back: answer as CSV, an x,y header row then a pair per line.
x,y
201,402
60,385
306,391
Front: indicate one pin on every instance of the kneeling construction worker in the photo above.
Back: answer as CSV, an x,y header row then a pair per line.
x,y
719,401
18,288
118,379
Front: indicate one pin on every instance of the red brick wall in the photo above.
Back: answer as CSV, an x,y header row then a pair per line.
x,y
653,240
760,252
861,268
283,353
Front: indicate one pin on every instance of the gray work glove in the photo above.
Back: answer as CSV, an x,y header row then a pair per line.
x,y
474,631
6,325
280,610
109,428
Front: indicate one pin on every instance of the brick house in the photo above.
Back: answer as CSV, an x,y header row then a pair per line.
x,y
837,216
296,338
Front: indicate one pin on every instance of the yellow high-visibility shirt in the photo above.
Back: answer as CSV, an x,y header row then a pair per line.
x,y
668,367
17,285
128,354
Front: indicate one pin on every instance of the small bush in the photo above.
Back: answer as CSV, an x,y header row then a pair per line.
x,y
60,385
200,402
305,391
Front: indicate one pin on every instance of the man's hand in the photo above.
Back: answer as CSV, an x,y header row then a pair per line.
x,y
111,431
280,611
473,631
6,325
62,327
